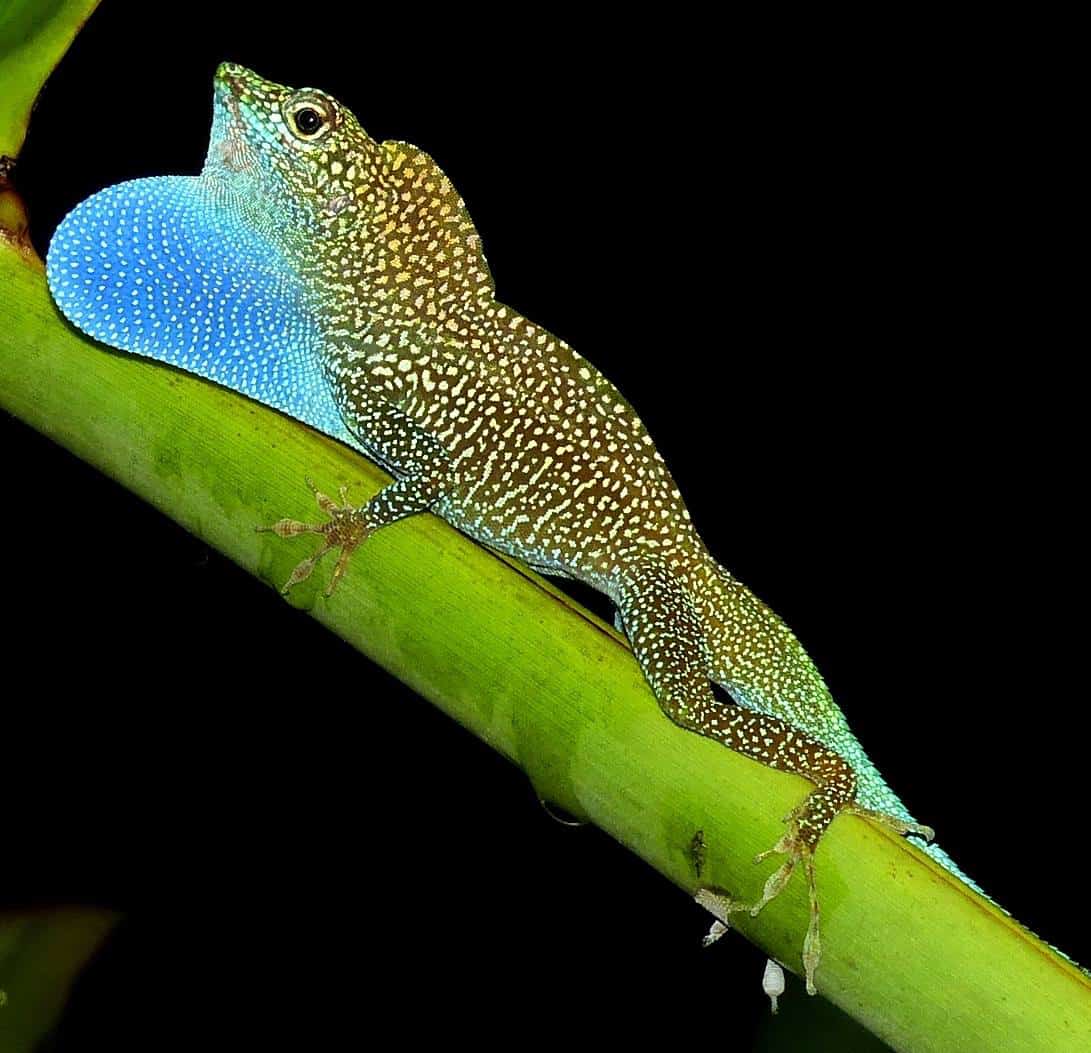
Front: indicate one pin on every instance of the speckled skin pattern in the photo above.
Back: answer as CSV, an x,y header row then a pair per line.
x,y
342,281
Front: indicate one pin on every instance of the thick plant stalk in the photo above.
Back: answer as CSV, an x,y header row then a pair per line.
x,y
907,950
915,956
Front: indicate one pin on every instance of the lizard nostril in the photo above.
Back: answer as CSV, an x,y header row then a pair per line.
x,y
231,74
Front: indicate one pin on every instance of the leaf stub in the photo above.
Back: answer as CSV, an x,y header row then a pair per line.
x,y
33,38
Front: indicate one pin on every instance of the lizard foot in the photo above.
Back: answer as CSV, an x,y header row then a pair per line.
x,y
346,528
799,850
798,844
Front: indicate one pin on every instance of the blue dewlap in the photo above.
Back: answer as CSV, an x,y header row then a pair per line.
x,y
167,268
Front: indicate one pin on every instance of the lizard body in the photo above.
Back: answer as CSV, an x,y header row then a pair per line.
x,y
342,281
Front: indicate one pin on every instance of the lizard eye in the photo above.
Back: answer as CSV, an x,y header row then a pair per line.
x,y
308,121
309,118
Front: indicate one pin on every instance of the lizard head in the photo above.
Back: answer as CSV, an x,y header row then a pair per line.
x,y
299,157
302,168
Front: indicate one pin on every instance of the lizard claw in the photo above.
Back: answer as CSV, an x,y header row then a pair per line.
x,y
346,528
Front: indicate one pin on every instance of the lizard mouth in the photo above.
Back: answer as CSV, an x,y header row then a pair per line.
x,y
240,123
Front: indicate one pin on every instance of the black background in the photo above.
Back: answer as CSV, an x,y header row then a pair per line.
x,y
816,261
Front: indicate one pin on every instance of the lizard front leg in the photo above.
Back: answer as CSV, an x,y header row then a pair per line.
x,y
424,467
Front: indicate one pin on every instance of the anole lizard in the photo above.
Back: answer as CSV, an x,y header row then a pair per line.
x,y
341,281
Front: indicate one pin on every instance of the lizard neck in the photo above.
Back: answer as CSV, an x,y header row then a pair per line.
x,y
399,251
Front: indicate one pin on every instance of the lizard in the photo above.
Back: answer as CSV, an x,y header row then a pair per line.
x,y
341,281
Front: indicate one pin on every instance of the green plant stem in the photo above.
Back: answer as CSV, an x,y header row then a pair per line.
x,y
907,950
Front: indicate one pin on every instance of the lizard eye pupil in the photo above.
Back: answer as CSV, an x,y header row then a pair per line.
x,y
308,120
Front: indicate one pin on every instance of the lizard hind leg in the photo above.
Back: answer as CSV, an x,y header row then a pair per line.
x,y
667,636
